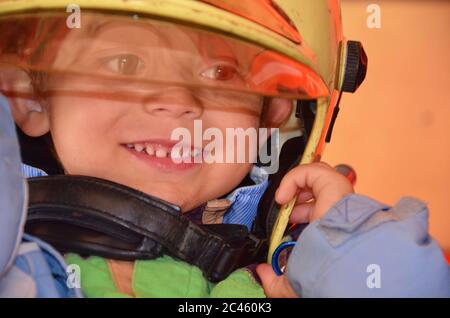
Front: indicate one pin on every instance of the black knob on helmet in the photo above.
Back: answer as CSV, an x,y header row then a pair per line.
x,y
355,68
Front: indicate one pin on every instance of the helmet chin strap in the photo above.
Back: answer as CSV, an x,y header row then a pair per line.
x,y
92,216
290,154
313,124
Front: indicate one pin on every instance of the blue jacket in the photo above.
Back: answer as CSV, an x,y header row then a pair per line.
x,y
360,248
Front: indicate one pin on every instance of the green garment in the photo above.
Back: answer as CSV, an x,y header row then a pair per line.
x,y
163,277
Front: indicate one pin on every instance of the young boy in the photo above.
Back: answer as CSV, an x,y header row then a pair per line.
x,y
113,93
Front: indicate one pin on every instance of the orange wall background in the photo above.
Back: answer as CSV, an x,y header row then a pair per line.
x,y
395,131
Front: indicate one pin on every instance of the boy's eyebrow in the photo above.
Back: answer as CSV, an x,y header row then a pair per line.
x,y
215,46
227,49
98,28
212,51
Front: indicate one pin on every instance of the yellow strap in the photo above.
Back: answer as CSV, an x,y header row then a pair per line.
x,y
308,157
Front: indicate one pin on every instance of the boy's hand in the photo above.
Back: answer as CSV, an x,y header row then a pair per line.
x,y
274,286
318,187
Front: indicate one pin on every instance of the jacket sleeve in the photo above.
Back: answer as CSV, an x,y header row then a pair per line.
x,y
13,189
363,248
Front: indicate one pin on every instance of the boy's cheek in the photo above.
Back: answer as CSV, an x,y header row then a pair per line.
x,y
276,112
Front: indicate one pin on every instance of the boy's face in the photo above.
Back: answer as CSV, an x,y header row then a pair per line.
x,y
115,124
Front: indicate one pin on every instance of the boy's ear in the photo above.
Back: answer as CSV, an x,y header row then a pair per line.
x,y
28,113
277,112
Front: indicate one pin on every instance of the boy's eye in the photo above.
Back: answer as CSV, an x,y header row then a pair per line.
x,y
220,73
125,64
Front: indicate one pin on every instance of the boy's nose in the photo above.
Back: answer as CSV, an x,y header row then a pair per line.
x,y
174,102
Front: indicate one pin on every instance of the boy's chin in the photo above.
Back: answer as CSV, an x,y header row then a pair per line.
x,y
182,200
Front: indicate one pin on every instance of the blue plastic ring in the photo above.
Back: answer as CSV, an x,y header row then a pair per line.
x,y
276,255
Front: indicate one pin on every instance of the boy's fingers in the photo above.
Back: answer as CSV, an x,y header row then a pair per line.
x,y
274,286
302,213
305,195
299,178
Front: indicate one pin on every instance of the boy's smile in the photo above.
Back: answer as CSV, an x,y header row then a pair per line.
x,y
163,154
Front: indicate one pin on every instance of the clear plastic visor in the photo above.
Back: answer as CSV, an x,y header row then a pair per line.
x,y
134,59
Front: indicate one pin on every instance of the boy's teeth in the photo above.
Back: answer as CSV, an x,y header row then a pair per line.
x,y
139,147
175,154
161,153
150,151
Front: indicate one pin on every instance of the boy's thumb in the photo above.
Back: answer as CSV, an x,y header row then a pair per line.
x,y
274,286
